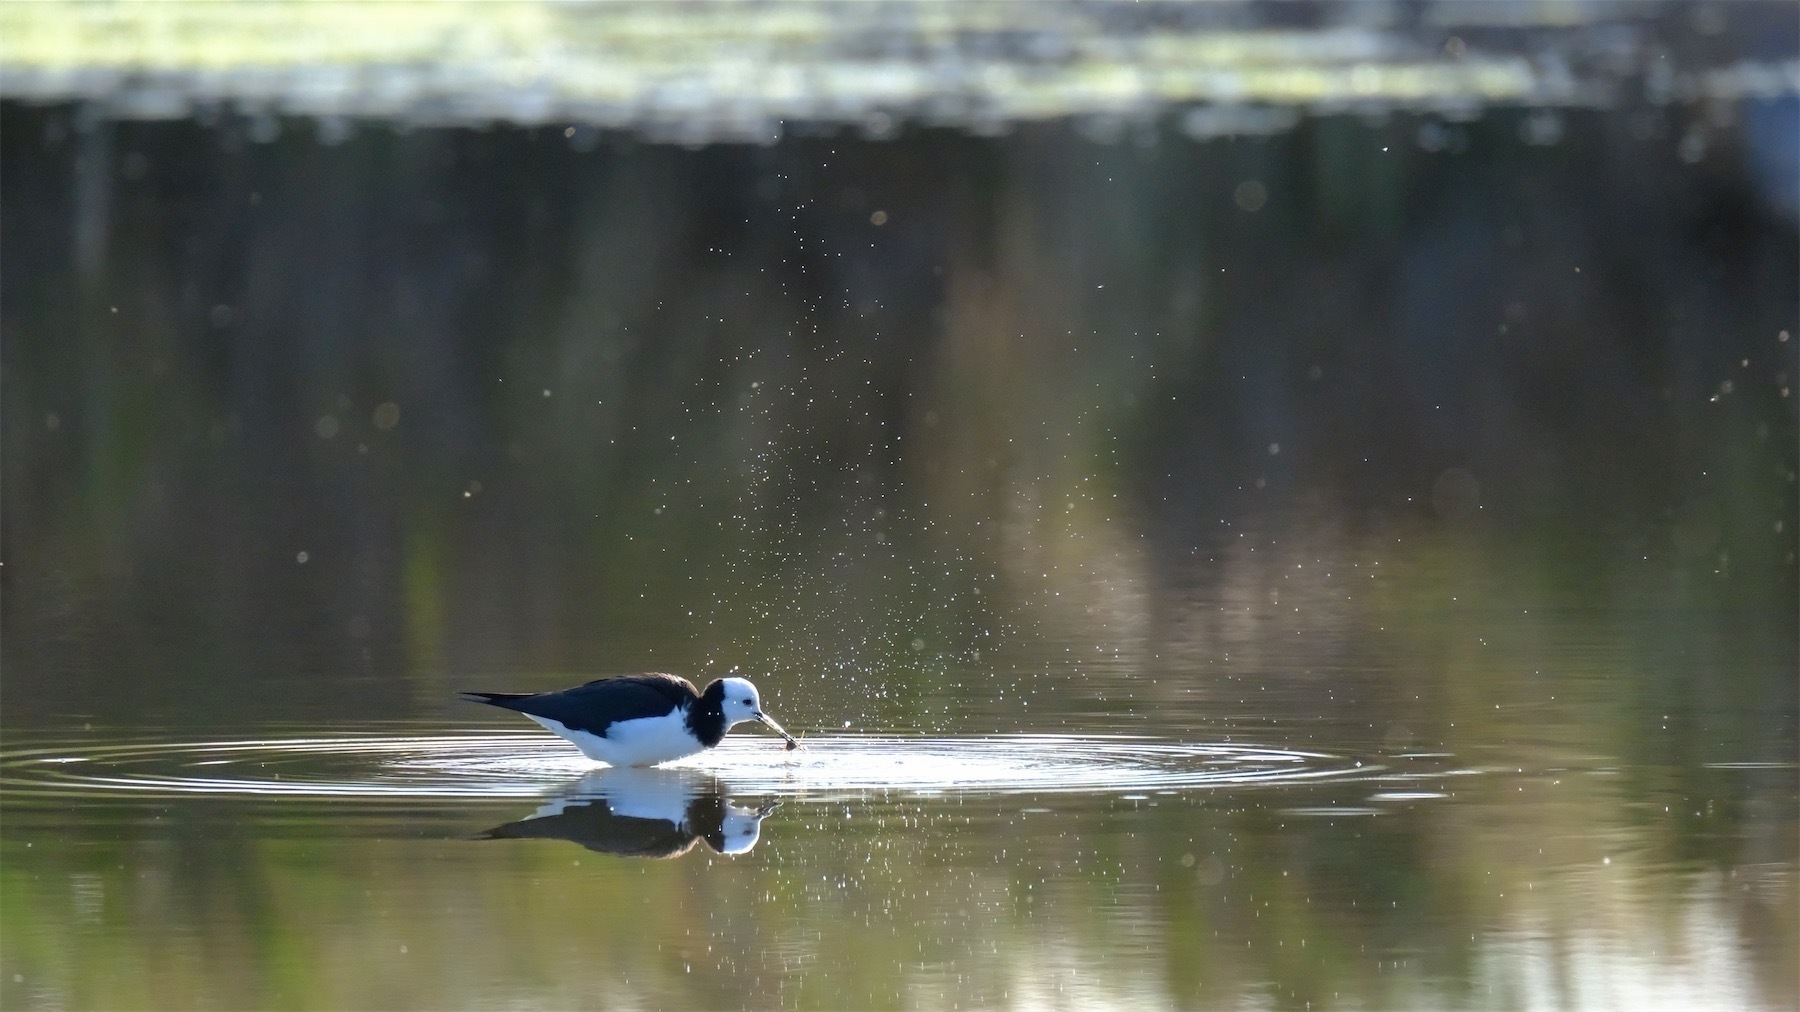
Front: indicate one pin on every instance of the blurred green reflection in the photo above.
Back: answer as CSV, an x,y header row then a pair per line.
x,y
1433,441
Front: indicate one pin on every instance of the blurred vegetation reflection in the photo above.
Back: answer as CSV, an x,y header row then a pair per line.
x,y
1388,435
438,403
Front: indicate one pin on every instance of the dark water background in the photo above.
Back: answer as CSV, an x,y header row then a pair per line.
x,y
1458,456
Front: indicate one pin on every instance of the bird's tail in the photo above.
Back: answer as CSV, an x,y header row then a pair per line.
x,y
506,699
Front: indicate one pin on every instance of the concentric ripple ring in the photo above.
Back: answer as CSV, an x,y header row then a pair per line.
x,y
489,765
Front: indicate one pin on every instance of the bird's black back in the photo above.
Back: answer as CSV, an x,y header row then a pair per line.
x,y
599,704
594,825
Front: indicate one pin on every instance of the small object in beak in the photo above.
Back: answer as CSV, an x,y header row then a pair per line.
x,y
792,742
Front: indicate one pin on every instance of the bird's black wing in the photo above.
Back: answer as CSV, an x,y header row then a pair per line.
x,y
596,706
597,827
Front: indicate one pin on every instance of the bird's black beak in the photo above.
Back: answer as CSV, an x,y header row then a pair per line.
x,y
777,728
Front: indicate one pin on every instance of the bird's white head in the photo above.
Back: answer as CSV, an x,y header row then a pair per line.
x,y
741,703
739,830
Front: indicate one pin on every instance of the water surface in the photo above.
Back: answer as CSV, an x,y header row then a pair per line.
x,y
1350,566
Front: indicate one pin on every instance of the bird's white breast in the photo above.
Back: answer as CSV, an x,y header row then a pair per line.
x,y
645,741
649,794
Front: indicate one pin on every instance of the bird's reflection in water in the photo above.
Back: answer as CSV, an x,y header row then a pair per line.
x,y
642,813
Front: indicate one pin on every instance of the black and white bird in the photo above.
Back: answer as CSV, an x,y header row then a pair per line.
x,y
643,813
640,720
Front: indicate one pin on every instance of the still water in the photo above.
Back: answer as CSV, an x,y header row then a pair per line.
x,y
1537,843
1347,569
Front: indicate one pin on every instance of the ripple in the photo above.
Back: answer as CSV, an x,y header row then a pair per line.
x,y
506,765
